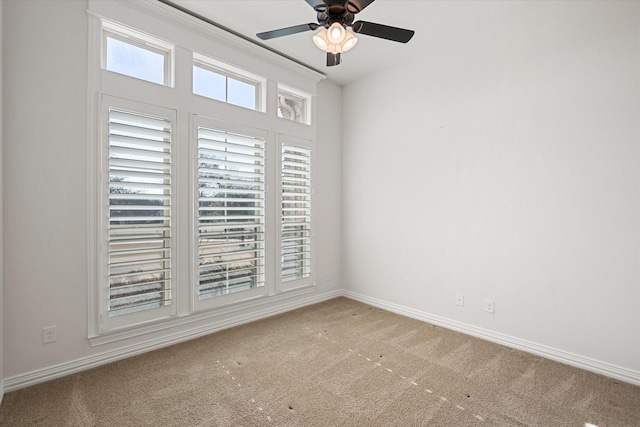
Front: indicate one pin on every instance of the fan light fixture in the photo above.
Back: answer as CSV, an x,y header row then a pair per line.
x,y
334,18
335,40
335,34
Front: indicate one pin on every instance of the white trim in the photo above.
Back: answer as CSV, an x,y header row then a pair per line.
x,y
93,165
63,369
253,48
141,41
576,360
230,71
17,382
164,11
164,324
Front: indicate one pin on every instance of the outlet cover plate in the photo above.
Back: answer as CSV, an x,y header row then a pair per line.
x,y
49,334
489,306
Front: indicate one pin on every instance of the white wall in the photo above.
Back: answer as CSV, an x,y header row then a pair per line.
x,y
505,164
327,185
512,153
45,200
44,160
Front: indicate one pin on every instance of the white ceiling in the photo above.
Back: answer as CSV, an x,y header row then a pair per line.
x,y
435,22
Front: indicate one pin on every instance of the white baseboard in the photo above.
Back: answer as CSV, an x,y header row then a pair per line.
x,y
41,375
582,362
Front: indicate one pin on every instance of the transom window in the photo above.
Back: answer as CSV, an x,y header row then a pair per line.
x,y
135,54
294,105
225,83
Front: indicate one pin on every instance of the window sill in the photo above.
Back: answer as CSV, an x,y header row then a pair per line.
x,y
259,307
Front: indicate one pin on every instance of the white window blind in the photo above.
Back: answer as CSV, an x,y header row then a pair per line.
x,y
296,213
231,218
139,245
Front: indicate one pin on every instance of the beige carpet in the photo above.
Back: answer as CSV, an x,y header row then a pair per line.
x,y
338,363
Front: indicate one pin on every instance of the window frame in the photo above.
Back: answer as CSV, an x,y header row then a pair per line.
x,y
231,72
110,29
307,281
189,35
110,323
306,98
239,296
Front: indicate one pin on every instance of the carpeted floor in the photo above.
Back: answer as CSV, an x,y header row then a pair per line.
x,y
338,363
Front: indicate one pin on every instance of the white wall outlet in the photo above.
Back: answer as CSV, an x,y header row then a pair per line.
x,y
459,299
489,306
49,334
327,276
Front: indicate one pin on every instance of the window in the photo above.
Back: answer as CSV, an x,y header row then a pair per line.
x,y
136,55
226,83
139,212
231,212
200,208
139,209
296,213
293,105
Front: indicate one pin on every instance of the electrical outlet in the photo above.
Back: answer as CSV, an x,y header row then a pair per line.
x,y
49,334
327,276
489,306
459,299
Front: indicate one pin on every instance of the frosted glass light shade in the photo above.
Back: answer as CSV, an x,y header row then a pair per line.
x,y
327,43
336,33
320,39
349,41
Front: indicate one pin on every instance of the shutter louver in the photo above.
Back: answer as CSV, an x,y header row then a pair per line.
x,y
139,212
231,192
296,213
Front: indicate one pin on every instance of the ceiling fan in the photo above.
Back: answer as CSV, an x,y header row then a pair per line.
x,y
334,16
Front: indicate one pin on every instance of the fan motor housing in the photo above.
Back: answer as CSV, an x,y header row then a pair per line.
x,y
335,13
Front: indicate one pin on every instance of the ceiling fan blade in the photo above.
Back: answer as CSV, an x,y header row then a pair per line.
x,y
356,6
383,31
317,5
287,31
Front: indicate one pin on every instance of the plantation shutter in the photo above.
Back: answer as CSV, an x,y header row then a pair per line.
x,y
139,226
296,213
231,217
